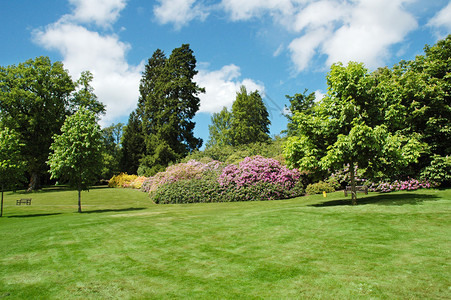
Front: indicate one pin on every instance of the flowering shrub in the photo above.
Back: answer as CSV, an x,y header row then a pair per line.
x,y
257,169
121,180
407,185
210,190
183,171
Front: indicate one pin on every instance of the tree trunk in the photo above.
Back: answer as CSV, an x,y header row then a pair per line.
x,y
34,182
1,209
79,200
353,189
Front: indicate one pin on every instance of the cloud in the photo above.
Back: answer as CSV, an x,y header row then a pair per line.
x,y
221,87
442,18
101,12
179,12
240,10
115,81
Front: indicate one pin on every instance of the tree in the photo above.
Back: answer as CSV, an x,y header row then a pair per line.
x,y
76,155
85,97
250,121
111,138
34,97
133,147
168,102
348,128
12,167
298,102
219,130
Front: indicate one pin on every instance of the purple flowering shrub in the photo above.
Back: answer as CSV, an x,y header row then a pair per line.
x,y
183,171
259,169
406,185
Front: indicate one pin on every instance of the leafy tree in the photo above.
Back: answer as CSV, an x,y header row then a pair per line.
x,y
111,138
250,121
220,129
168,102
76,155
85,97
298,102
133,146
348,127
34,97
12,166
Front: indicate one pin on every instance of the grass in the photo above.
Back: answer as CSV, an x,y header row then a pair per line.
x,y
391,246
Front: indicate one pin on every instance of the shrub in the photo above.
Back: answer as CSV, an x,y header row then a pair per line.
x,y
210,190
439,171
183,171
257,169
319,187
406,185
122,180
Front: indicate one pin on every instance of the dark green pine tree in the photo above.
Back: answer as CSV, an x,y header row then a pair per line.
x,y
250,121
168,103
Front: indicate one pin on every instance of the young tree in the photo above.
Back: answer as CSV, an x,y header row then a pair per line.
x,y
219,129
12,167
34,97
250,121
348,127
168,102
76,155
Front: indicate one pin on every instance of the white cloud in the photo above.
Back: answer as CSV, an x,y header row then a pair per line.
x,y
442,18
115,81
101,12
179,12
221,87
240,10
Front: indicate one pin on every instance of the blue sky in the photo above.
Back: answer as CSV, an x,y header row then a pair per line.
x,y
279,47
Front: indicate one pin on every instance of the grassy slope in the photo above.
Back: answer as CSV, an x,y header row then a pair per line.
x,y
392,246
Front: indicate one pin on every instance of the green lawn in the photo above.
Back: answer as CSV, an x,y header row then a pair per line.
x,y
391,246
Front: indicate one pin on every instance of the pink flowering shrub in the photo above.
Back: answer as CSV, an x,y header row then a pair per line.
x,y
183,171
407,185
259,169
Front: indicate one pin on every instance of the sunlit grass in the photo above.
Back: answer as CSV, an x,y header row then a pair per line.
x,y
393,246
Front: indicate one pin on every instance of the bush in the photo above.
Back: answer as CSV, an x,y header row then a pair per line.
x,y
406,185
209,190
183,171
257,169
439,171
122,180
319,187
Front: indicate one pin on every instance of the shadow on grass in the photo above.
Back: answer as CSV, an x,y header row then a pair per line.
x,y
34,215
112,210
383,199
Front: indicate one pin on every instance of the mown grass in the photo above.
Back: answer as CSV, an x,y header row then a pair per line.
x,y
391,246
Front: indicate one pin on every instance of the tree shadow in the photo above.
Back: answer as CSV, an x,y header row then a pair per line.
x,y
34,215
397,199
113,210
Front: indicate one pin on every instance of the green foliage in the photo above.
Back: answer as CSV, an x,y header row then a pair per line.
x,y
250,121
168,102
439,171
348,128
77,152
34,97
319,188
298,102
111,137
133,146
85,97
220,129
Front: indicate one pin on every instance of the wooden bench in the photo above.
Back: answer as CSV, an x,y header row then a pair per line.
x,y
358,188
26,201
